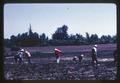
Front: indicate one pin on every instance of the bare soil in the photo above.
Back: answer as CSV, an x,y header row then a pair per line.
x,y
47,68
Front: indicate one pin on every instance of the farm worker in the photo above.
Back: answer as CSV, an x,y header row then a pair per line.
x,y
20,55
115,55
57,54
28,55
94,54
75,58
80,57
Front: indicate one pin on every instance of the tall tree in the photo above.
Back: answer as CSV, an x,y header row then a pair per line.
x,y
87,38
104,39
43,39
60,33
13,40
114,39
30,33
80,39
94,39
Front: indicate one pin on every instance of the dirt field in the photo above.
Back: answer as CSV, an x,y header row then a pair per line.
x,y
46,68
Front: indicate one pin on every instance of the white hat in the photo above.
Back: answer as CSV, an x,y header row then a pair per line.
x,y
82,55
95,45
75,56
22,50
57,50
26,51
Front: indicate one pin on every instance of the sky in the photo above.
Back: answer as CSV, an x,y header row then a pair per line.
x,y
80,18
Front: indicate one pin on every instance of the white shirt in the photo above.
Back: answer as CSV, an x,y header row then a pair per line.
x,y
28,53
95,49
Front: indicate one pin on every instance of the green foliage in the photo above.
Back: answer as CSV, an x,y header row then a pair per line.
x,y
60,33
60,37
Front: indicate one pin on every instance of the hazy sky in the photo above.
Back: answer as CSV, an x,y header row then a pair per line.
x,y
46,18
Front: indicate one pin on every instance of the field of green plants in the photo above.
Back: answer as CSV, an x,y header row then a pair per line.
x,y
44,66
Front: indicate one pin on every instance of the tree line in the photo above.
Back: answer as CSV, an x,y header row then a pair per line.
x,y
59,37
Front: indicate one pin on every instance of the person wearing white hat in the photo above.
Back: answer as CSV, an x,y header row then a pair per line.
x,y
22,50
94,55
57,54
75,58
20,55
80,57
